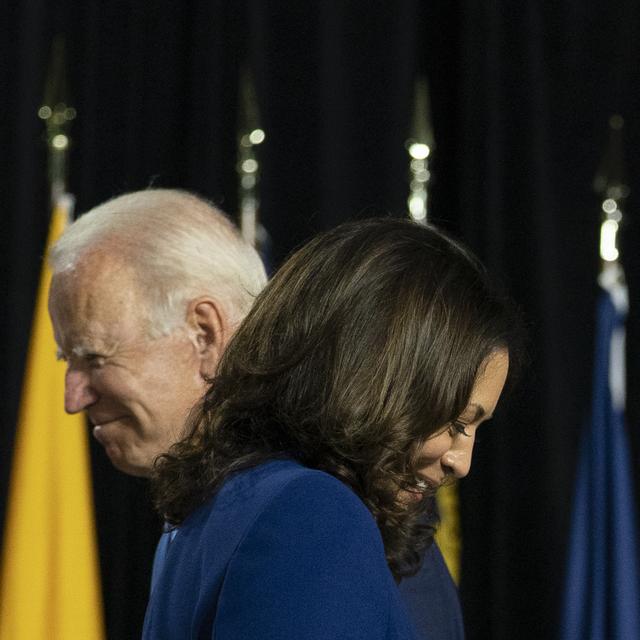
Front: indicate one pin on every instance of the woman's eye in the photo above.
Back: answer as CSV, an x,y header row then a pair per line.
x,y
459,427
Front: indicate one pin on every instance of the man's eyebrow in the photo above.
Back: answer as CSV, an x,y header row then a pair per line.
x,y
81,351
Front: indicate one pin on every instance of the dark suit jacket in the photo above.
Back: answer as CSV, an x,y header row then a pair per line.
x,y
432,599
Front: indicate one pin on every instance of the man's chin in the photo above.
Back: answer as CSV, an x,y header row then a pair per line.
x,y
122,457
121,463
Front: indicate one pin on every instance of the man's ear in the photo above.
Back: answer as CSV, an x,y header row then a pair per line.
x,y
210,329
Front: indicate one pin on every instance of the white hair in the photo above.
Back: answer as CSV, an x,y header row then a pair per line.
x,y
179,246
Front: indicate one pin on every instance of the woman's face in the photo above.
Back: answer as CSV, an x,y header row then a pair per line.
x,y
448,452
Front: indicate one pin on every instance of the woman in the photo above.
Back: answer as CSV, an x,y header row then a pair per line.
x,y
351,391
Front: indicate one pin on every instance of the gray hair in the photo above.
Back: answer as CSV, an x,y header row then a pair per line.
x,y
180,247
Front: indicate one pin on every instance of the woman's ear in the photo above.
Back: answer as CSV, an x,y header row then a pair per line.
x,y
210,329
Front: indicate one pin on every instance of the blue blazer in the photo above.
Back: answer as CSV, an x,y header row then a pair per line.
x,y
282,552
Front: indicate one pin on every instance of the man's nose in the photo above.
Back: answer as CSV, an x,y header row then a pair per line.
x,y
78,392
458,458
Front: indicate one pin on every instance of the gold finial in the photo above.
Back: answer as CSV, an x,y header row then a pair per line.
x,y
419,147
610,184
57,114
250,137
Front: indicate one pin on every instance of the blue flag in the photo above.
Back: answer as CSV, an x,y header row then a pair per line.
x,y
602,588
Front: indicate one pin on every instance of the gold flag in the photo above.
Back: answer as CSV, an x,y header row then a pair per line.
x,y
50,587
448,535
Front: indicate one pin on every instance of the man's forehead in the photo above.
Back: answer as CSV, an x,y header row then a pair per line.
x,y
95,300
103,260
97,276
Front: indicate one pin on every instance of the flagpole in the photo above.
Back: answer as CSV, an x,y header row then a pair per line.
x,y
602,581
420,146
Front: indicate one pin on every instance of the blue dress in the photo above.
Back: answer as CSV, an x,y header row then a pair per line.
x,y
281,552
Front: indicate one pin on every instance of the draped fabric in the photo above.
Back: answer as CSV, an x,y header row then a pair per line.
x,y
49,586
602,585
520,98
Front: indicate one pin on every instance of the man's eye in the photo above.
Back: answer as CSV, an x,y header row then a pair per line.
x,y
459,427
94,360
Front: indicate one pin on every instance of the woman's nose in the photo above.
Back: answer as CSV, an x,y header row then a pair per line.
x,y
458,458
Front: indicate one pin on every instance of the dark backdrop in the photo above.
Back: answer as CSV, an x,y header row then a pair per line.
x,y
521,93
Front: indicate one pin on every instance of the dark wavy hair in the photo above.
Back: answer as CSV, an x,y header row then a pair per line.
x,y
365,343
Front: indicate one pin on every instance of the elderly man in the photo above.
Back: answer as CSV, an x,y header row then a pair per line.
x,y
147,290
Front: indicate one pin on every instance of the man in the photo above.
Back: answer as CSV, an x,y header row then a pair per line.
x,y
147,290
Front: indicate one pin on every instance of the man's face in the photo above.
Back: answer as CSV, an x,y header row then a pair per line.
x,y
136,391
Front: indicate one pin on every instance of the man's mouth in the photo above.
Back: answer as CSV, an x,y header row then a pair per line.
x,y
103,421
110,445
98,430
98,434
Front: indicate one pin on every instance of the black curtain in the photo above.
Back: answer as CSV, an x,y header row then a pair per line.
x,y
536,87
520,96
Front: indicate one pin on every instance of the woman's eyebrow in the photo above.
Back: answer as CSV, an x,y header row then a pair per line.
x,y
478,412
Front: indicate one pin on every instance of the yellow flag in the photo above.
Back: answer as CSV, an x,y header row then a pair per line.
x,y
448,536
50,587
